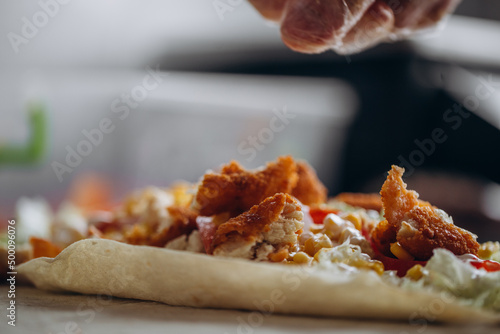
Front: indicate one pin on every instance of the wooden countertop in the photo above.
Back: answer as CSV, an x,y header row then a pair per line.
x,y
43,312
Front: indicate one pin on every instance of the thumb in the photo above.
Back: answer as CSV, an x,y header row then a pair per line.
x,y
270,9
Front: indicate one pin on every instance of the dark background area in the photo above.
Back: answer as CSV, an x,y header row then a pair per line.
x,y
398,106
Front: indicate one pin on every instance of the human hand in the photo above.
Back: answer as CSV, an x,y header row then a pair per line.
x,y
349,26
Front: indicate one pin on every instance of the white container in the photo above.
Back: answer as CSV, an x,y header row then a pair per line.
x,y
176,126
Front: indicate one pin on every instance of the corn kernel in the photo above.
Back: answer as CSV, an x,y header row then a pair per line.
x,y
323,242
279,256
374,265
301,258
378,267
314,244
335,225
309,246
317,255
355,219
316,228
400,252
349,232
416,272
487,249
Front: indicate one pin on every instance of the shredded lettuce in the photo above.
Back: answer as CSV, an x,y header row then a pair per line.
x,y
349,257
446,272
495,256
490,251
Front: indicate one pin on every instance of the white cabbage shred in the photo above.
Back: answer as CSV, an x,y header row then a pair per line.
x,y
445,272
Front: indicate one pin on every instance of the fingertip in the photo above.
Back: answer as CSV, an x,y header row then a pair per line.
x,y
375,26
310,26
270,9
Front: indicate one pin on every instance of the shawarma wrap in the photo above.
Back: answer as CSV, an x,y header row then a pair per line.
x,y
270,241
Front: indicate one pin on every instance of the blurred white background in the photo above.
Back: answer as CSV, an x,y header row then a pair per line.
x,y
111,35
91,54
84,55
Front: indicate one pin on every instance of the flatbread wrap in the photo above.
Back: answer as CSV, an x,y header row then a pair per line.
x,y
270,241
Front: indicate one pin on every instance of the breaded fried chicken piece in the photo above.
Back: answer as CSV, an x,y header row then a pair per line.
x,y
416,225
365,201
396,200
236,190
266,232
151,217
309,189
183,222
425,228
382,236
179,221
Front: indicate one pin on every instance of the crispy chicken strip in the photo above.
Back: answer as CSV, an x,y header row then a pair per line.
x,y
383,235
180,221
426,228
416,225
152,217
266,232
396,200
183,223
235,190
309,189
